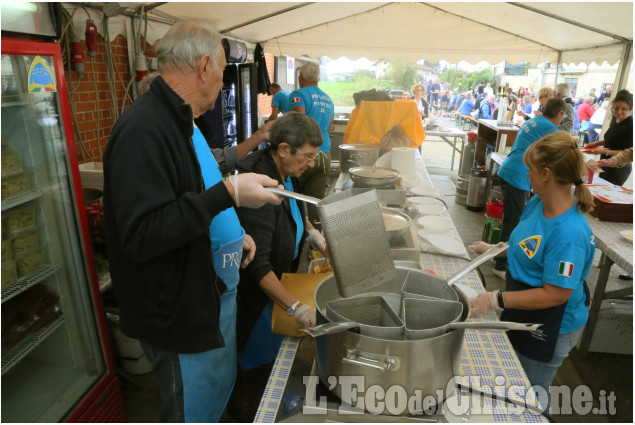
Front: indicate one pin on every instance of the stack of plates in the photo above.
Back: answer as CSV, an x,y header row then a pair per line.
x,y
424,191
431,209
435,223
446,245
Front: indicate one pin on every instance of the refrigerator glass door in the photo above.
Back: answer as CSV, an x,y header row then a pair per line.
x,y
246,87
52,354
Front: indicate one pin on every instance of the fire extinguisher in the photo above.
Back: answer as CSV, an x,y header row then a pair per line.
x,y
77,56
91,37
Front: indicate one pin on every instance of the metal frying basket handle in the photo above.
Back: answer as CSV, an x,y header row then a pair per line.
x,y
490,253
505,326
374,361
293,195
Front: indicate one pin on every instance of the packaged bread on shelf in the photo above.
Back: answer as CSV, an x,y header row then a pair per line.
x,y
20,218
25,242
10,161
7,252
15,185
9,274
30,262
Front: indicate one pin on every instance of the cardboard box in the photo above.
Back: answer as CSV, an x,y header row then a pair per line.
x,y
92,175
614,329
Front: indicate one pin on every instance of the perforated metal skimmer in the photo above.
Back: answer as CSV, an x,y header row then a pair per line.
x,y
356,237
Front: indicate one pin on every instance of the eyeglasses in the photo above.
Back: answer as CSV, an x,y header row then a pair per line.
x,y
308,156
541,97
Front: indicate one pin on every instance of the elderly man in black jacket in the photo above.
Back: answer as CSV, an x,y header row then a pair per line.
x,y
161,194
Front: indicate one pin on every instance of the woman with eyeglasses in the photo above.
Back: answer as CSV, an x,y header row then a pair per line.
x,y
279,233
544,94
418,91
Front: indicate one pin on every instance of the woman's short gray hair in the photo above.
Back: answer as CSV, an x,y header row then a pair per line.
x,y
310,71
295,129
563,89
186,42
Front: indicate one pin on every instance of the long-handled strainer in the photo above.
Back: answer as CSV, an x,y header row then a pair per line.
x,y
375,318
356,238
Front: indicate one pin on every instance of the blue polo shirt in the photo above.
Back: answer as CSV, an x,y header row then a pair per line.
x,y
513,170
281,100
317,105
558,251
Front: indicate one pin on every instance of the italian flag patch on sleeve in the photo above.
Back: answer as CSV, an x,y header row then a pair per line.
x,y
565,269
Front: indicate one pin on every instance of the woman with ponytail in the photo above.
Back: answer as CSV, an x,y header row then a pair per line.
x,y
549,256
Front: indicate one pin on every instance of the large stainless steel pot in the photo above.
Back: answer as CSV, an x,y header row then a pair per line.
x,y
358,154
426,365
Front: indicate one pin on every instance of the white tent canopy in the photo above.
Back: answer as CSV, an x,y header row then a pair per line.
x,y
563,32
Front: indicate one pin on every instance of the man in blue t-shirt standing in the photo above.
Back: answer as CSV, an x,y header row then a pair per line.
x,y
515,184
312,101
279,101
486,109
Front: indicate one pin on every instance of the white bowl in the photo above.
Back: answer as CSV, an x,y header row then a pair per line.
x,y
446,244
423,200
431,209
424,191
435,223
425,234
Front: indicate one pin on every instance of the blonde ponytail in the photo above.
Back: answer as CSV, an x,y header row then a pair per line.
x,y
561,155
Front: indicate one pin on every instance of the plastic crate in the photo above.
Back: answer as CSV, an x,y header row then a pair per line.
x,y
92,175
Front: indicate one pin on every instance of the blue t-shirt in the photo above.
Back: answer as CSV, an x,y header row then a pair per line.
x,y
528,109
281,100
225,226
317,105
558,251
485,110
466,107
513,170
434,87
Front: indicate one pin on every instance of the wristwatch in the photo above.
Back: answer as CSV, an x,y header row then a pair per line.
x,y
291,310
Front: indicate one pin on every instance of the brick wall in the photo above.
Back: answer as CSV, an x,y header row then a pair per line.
x,y
264,101
88,104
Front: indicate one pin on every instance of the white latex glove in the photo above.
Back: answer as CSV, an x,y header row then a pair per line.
x,y
248,190
305,315
479,247
316,239
249,251
484,302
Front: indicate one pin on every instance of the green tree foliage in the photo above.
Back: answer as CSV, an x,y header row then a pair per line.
x,y
362,73
453,76
401,74
485,76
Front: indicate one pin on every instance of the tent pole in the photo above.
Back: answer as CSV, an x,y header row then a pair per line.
x,y
558,67
621,78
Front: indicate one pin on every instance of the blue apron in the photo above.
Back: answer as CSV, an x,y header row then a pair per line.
x,y
262,345
227,247
540,344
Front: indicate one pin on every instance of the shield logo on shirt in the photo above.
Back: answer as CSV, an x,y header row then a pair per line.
x,y
530,245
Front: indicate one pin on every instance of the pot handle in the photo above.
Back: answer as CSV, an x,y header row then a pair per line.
x,y
383,363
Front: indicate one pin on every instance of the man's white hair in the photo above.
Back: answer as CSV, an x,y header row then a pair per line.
x,y
186,42
563,89
310,71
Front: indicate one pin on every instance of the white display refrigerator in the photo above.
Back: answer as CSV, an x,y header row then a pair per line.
x,y
57,364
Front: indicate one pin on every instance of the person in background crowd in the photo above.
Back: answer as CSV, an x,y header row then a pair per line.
x,y
488,90
515,184
279,101
527,108
508,106
279,232
435,88
445,100
458,101
585,111
618,137
522,93
312,101
428,91
418,92
545,280
606,94
544,94
593,95
596,122
562,91
161,201
468,104
486,109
